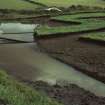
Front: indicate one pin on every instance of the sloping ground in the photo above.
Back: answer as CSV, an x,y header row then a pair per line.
x,y
87,57
97,37
17,4
69,94
66,3
84,25
15,93
35,2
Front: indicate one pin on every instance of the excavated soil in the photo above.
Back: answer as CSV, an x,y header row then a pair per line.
x,y
86,57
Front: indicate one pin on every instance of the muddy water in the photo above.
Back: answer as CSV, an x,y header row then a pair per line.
x,y
25,62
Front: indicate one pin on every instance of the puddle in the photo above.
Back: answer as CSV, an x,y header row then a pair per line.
x,y
17,31
17,28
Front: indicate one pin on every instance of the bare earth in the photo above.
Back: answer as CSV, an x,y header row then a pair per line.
x,y
87,57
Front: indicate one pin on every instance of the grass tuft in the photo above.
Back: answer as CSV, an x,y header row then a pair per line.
x,y
16,93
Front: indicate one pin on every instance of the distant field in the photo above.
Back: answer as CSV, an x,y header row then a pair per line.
x,y
66,3
23,4
85,24
17,4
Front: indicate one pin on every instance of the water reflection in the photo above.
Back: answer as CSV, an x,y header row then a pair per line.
x,y
17,27
17,31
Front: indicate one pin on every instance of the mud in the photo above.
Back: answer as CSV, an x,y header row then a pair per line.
x,y
2,102
68,94
87,57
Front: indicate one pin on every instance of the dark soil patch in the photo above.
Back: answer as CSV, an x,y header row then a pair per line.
x,y
3,102
45,20
89,40
6,41
53,23
69,94
86,57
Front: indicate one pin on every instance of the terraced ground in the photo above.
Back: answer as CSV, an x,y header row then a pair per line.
x,y
17,4
87,57
84,25
33,4
70,50
67,3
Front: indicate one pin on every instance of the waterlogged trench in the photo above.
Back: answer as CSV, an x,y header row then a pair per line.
x,y
24,61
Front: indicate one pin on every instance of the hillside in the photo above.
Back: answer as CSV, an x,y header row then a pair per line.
x,y
31,5
65,3
17,4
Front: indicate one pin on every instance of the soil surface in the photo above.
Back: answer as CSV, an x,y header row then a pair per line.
x,y
86,57
68,94
2,102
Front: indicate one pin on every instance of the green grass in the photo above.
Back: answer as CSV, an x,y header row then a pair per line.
x,y
21,4
75,17
67,3
16,93
86,24
17,4
95,36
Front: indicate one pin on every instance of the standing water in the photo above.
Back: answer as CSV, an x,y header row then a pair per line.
x,y
26,62
18,31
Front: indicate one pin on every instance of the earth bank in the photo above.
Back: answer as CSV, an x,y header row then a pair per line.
x,y
86,57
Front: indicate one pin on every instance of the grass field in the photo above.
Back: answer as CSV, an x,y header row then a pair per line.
x,y
77,16
66,3
95,36
17,4
23,4
85,24
15,93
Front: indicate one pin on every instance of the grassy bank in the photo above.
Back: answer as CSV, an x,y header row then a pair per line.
x,y
78,16
15,93
67,3
84,24
95,36
17,5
